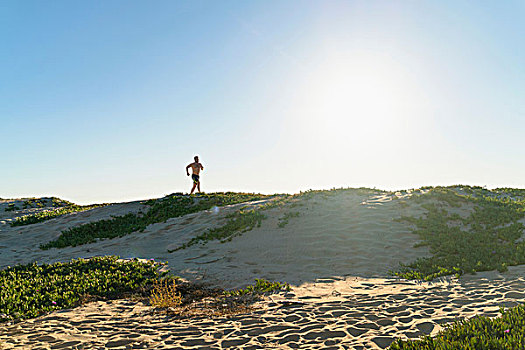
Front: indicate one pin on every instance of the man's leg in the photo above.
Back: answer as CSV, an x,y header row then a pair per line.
x,y
193,189
199,186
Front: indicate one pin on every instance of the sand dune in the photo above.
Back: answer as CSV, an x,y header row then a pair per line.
x,y
336,252
348,234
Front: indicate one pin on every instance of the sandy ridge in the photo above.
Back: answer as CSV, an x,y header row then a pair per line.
x,y
336,253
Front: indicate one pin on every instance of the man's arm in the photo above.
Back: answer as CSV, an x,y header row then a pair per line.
x,y
189,166
202,168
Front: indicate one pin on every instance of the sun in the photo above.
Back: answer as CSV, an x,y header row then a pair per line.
x,y
358,91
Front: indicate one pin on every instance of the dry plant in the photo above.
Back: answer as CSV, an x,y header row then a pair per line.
x,y
182,299
165,295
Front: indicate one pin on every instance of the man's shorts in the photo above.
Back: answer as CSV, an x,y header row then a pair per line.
x,y
195,178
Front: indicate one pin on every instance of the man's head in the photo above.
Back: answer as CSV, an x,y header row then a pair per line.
x,y
196,158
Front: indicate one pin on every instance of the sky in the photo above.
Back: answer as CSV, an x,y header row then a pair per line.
x,y
108,101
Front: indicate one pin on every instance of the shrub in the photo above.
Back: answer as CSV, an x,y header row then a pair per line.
x,y
164,294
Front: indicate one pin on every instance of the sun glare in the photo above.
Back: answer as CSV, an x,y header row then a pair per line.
x,y
355,92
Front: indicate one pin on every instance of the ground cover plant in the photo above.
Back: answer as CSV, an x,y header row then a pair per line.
x,y
261,286
160,210
284,220
488,238
514,192
245,220
11,207
237,223
31,290
51,214
34,203
335,191
478,333
45,202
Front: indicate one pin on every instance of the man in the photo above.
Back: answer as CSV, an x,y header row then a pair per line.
x,y
196,167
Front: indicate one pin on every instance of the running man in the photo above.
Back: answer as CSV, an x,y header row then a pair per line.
x,y
196,167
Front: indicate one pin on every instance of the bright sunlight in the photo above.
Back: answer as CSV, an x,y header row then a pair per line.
x,y
356,92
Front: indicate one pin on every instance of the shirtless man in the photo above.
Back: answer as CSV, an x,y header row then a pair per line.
x,y
196,167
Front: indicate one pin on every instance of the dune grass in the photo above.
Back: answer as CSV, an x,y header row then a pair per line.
x,y
160,210
31,290
487,239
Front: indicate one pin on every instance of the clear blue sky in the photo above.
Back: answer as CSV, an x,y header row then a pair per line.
x,y
110,100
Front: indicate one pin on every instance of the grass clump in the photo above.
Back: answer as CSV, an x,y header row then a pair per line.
x,y
486,239
501,333
165,294
31,290
34,203
261,286
513,192
160,211
11,207
284,220
180,299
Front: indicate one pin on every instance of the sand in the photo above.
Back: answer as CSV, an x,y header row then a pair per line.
x,y
336,254
347,234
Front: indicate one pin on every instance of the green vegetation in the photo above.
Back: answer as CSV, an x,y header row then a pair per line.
x,y
34,203
46,202
160,210
58,207
182,299
283,221
335,191
31,290
513,192
238,222
51,214
245,220
261,286
501,333
11,207
484,238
